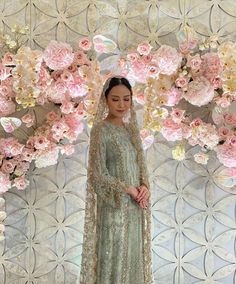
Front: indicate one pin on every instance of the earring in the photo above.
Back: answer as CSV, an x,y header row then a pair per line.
x,y
127,116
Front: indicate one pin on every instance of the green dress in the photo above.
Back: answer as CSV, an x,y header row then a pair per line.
x,y
119,224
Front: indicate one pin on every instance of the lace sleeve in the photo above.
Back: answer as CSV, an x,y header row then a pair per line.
x,y
109,188
144,175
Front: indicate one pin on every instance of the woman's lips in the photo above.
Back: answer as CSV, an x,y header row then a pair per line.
x,y
120,110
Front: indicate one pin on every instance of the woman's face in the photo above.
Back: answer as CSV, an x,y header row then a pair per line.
x,y
119,101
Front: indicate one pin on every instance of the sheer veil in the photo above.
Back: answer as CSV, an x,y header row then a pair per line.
x,y
89,257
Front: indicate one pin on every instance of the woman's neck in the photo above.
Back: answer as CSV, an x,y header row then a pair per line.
x,y
115,120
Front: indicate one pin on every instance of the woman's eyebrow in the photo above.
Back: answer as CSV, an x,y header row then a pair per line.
x,y
114,96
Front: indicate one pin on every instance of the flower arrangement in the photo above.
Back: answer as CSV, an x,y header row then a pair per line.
x,y
199,74
70,82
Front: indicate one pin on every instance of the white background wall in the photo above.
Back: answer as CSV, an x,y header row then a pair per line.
x,y
193,216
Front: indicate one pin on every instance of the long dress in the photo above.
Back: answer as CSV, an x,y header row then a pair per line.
x,y
114,246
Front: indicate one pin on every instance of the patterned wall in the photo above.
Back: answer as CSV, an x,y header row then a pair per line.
x,y
194,228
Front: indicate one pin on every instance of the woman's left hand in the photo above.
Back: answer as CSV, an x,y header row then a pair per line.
x,y
143,204
143,193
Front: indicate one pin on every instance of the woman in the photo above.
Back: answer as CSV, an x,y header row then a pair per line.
x,y
117,230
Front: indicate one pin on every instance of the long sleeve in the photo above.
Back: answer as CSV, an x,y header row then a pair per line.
x,y
144,176
108,187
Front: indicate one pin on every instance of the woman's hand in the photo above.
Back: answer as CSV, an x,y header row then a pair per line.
x,y
133,192
143,204
143,193
140,192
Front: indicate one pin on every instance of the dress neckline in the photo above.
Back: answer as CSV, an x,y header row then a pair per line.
x,y
115,125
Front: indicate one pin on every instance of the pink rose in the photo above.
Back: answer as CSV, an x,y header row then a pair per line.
x,y
167,59
72,68
40,142
133,57
8,59
56,75
28,119
57,96
138,71
51,116
67,77
85,44
17,149
21,182
75,90
144,48
184,47
182,82
196,122
67,107
174,96
194,62
74,122
201,158
4,182
140,98
211,68
230,118
24,165
224,132
44,76
216,82
223,101
122,63
6,91
60,86
177,115
7,107
58,55
30,142
171,130
199,92
41,99
147,58
27,154
7,167
226,155
186,131
7,82
59,127
231,140
153,70
80,58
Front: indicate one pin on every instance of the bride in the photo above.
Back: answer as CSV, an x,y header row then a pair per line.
x,y
117,229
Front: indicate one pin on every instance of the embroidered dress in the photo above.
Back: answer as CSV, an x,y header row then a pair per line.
x,y
117,231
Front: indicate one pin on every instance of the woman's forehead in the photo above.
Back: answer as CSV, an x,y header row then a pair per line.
x,y
120,90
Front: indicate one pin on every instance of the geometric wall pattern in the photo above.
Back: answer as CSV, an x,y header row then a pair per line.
x,y
194,222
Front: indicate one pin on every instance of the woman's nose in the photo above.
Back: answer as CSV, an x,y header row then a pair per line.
x,y
121,103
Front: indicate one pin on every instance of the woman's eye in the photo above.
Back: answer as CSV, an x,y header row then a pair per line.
x,y
115,100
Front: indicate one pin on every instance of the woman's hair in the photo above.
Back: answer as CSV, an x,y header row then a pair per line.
x,y
115,81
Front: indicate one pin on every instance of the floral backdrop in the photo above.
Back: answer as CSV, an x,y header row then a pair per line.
x,y
170,85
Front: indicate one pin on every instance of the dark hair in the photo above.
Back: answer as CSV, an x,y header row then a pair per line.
x,y
118,81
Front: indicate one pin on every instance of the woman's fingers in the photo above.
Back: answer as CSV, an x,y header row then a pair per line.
x,y
143,204
143,193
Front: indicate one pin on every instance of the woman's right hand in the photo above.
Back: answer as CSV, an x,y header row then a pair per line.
x,y
133,192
